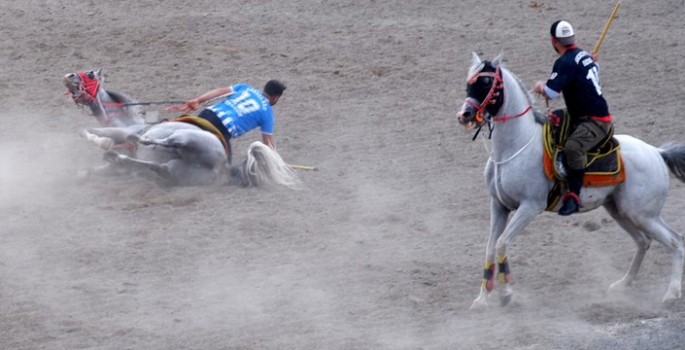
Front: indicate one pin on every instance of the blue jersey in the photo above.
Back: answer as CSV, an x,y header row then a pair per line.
x,y
246,109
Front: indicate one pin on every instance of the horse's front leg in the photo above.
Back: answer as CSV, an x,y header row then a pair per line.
x,y
102,142
498,221
105,138
498,244
525,213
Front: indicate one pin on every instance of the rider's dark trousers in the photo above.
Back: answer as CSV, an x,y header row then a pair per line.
x,y
210,116
587,134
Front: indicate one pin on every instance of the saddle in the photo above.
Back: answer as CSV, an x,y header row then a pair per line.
x,y
206,126
604,163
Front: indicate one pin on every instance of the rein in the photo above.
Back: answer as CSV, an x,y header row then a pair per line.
x,y
504,118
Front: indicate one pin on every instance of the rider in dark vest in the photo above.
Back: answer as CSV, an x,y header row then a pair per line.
x,y
576,76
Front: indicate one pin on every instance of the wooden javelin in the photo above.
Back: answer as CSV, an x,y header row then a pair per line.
x,y
606,28
302,167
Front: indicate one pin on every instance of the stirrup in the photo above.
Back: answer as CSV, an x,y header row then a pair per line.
x,y
570,206
561,164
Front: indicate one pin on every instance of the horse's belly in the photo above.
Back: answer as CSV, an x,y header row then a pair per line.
x,y
594,197
152,153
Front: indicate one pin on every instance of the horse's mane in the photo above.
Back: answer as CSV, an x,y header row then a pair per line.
x,y
540,118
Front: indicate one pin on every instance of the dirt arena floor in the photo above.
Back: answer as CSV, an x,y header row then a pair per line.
x,y
384,247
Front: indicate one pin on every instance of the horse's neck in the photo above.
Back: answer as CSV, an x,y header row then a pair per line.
x,y
101,111
512,135
96,106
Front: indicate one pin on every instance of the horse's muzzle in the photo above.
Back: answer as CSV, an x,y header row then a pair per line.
x,y
466,116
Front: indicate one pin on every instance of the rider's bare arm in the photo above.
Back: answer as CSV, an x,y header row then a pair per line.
x,y
210,95
269,141
193,104
540,89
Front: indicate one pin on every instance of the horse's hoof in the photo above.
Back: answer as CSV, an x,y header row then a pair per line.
x,y
671,299
618,287
103,142
669,304
479,304
505,299
83,174
110,156
106,143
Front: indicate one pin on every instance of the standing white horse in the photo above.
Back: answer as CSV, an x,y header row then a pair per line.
x,y
516,180
188,151
110,108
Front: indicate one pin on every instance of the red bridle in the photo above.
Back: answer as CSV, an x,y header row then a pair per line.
x,y
491,97
496,89
88,88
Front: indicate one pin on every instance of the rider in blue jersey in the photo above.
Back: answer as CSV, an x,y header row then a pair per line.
x,y
244,108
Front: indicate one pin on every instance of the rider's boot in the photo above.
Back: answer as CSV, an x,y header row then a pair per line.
x,y
572,198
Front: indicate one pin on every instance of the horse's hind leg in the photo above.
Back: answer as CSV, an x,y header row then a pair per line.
x,y
237,176
189,146
641,240
160,169
106,170
673,241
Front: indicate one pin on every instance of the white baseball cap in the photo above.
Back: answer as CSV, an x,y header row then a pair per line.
x,y
562,31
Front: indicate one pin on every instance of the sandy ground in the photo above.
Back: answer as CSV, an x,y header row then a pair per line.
x,y
384,247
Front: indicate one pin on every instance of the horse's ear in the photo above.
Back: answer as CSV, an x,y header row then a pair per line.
x,y
496,62
99,74
476,59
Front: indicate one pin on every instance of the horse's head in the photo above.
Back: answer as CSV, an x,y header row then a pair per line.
x,y
83,86
484,92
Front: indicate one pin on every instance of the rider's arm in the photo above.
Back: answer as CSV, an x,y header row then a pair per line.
x,y
544,90
551,94
195,103
210,95
269,141
267,128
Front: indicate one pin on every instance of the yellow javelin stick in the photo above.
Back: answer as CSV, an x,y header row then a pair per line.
x,y
302,167
606,28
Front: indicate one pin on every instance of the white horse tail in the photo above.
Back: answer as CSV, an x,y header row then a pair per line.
x,y
674,156
264,166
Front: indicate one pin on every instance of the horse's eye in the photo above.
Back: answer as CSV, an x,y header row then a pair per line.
x,y
91,74
487,80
